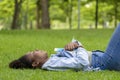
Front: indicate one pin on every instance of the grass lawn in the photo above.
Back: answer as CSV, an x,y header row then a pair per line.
x,y
14,44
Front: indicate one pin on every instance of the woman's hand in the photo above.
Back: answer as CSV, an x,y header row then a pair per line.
x,y
70,46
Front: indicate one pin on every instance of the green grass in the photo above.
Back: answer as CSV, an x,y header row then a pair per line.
x,y
14,44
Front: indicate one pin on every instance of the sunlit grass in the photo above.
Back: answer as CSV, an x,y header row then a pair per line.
x,y
13,44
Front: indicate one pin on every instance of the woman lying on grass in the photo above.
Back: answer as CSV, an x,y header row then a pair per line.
x,y
75,57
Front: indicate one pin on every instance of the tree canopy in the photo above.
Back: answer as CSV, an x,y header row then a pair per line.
x,y
58,14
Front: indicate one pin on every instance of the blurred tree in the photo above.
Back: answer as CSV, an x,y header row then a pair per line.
x,y
6,10
16,17
66,6
45,20
79,14
42,14
114,11
25,15
96,11
28,14
70,13
63,13
38,14
96,15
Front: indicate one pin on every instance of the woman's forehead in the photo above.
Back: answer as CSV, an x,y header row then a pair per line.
x,y
29,55
39,51
36,53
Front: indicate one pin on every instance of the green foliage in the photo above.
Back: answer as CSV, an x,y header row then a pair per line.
x,y
55,16
16,43
60,11
106,12
6,12
29,8
6,9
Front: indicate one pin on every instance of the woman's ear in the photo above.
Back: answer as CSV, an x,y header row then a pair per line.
x,y
35,64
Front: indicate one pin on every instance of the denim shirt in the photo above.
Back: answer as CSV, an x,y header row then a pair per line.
x,y
63,60
76,59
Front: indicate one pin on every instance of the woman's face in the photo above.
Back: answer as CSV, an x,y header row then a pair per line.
x,y
37,56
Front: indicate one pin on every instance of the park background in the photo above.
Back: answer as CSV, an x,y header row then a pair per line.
x,y
27,25
58,14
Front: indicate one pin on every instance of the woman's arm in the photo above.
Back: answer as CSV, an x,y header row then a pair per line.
x,y
69,49
62,63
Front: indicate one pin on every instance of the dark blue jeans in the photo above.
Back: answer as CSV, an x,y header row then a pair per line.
x,y
110,59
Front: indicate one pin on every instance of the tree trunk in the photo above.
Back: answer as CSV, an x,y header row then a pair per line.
x,y
116,6
45,21
26,16
70,14
78,14
96,15
15,22
38,14
31,24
